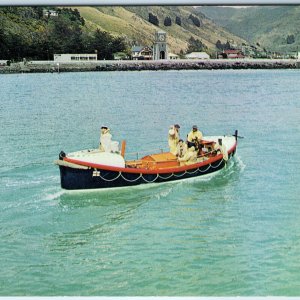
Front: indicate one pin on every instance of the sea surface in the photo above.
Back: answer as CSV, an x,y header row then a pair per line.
x,y
236,233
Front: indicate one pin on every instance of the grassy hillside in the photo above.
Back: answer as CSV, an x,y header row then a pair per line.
x,y
269,26
132,23
27,32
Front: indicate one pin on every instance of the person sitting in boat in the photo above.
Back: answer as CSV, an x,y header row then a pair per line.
x,y
189,158
181,148
219,147
173,138
105,139
194,138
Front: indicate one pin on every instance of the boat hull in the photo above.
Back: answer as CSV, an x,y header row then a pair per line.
x,y
93,169
97,178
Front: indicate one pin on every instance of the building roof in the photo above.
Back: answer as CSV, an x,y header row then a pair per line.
x,y
231,51
139,48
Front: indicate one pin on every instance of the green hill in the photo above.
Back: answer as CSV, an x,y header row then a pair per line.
x,y
275,28
133,24
27,32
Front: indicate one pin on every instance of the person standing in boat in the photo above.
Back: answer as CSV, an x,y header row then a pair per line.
x,y
105,139
181,148
194,138
173,138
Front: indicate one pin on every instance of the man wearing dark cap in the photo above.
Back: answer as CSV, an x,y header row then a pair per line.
x,y
194,137
173,138
181,149
105,139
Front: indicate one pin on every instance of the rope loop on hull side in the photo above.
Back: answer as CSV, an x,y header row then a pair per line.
x,y
178,176
217,165
134,180
151,181
110,180
197,170
166,178
191,173
204,170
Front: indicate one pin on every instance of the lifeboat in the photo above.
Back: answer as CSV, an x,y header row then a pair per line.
x,y
95,169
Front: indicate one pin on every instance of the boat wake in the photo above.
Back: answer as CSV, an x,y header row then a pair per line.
x,y
50,196
232,167
240,163
224,176
145,192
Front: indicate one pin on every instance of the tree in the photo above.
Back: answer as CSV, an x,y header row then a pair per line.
x,y
181,53
106,45
195,45
290,39
167,21
227,46
222,47
64,33
153,19
16,46
195,20
38,11
39,38
100,42
178,20
3,43
219,45
118,45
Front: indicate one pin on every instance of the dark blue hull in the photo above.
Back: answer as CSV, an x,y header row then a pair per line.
x,y
81,179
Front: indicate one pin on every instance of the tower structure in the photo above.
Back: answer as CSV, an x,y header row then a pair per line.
x,y
160,47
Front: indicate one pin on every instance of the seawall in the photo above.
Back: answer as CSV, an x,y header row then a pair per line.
x,y
129,65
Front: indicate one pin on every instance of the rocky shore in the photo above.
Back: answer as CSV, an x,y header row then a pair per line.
x,y
129,65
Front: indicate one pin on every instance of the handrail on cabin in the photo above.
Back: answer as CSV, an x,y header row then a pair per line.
x,y
139,161
146,151
153,151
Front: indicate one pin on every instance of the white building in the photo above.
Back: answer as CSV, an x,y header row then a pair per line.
x,y
141,53
197,55
50,13
173,56
4,62
75,57
120,56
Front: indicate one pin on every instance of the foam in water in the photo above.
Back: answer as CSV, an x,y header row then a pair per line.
x,y
53,196
240,163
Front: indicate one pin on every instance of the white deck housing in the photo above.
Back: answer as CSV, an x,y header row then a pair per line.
x,y
96,156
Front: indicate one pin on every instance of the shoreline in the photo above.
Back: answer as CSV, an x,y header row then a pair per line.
x,y
148,65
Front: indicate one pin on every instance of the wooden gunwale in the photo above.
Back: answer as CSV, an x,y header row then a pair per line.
x,y
147,171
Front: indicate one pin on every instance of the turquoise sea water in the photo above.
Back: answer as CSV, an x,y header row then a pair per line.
x,y
236,233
